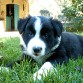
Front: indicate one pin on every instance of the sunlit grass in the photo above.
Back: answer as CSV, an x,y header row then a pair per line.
x,y
9,48
23,73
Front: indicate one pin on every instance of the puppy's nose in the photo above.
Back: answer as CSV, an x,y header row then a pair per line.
x,y
37,49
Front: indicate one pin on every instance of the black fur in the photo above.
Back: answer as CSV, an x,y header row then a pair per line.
x,y
57,25
71,45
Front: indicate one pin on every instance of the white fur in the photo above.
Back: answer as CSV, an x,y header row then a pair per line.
x,y
37,26
43,71
57,45
36,42
28,51
41,58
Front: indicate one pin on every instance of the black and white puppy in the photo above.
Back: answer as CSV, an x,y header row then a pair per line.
x,y
42,39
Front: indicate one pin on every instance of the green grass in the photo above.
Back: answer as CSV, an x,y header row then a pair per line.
x,y
10,50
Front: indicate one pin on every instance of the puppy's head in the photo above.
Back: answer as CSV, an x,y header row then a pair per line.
x,y
39,35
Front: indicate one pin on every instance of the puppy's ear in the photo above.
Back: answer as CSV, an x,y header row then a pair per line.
x,y
57,25
22,24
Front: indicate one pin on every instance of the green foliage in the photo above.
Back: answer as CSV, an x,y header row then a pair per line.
x,y
74,13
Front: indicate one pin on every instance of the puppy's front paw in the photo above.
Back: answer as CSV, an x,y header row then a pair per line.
x,y
43,71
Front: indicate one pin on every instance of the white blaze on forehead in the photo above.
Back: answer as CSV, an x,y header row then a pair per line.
x,y
37,26
36,42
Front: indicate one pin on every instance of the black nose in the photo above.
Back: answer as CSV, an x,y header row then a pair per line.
x,y
37,49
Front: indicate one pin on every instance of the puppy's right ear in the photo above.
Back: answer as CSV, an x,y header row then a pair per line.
x,y
22,24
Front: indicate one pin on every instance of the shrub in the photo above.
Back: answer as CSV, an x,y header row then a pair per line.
x,y
74,13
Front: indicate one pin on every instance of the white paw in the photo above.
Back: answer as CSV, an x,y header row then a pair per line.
x,y
43,71
37,76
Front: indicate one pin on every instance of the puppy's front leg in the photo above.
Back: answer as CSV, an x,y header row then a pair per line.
x,y
47,67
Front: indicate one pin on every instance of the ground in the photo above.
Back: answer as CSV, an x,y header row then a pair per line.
x,y
10,50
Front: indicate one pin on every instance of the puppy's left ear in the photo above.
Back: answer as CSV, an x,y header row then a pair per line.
x,y
57,26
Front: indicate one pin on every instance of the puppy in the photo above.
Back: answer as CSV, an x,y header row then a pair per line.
x,y
43,40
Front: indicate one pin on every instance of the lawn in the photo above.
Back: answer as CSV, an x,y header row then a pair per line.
x,y
10,50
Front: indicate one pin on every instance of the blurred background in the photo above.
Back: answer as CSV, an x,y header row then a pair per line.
x,y
69,12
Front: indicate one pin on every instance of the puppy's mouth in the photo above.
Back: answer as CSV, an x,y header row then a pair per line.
x,y
36,54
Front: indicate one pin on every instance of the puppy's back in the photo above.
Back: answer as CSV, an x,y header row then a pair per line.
x,y
73,44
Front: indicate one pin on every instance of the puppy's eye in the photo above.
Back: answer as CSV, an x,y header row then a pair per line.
x,y
29,33
45,35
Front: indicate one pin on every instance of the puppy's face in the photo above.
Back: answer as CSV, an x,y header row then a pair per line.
x,y
39,35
